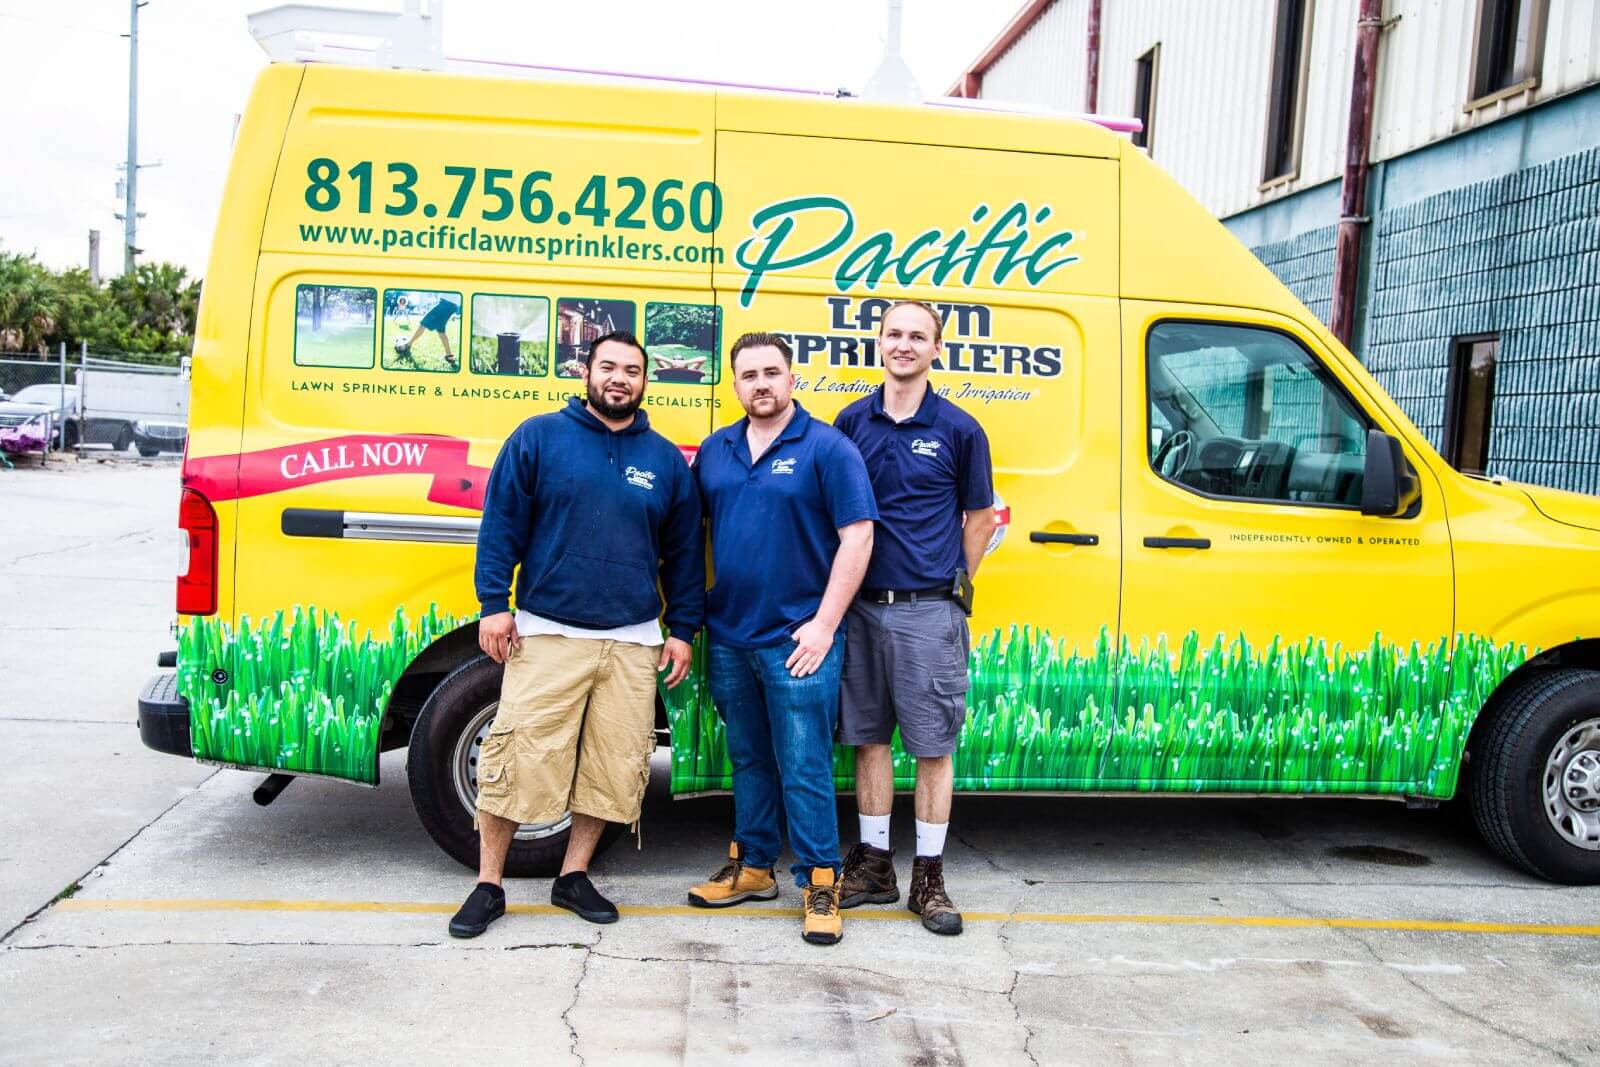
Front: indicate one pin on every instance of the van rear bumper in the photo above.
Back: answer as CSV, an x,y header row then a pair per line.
x,y
164,715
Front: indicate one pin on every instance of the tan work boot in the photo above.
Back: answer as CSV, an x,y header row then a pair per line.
x,y
734,883
928,898
822,923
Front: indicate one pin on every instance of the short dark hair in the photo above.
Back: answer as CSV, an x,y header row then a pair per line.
x,y
621,336
938,323
756,339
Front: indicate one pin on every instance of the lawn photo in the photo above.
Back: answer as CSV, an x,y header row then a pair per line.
x,y
421,330
510,335
682,342
333,326
579,322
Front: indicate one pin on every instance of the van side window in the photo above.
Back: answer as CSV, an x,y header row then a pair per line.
x,y
1247,413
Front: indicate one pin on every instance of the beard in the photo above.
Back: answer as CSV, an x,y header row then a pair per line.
x,y
598,401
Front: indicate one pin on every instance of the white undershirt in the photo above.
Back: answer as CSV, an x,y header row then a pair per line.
x,y
647,633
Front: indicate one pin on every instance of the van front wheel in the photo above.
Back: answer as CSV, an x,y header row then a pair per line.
x,y
442,769
1535,783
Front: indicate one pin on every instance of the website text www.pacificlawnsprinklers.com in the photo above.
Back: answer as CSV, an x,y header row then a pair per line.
x,y
449,236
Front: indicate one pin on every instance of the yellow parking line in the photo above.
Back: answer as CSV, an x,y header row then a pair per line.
x,y
856,915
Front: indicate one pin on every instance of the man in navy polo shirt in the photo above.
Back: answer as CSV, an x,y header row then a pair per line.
x,y
906,664
791,513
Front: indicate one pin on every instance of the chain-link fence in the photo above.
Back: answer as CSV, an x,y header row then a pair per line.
x,y
79,401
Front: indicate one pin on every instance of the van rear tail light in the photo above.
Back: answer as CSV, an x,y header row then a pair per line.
x,y
197,529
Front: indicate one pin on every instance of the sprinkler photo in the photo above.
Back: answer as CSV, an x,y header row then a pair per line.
x,y
510,335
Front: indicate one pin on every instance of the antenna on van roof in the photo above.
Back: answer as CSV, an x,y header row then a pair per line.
x,y
409,38
893,82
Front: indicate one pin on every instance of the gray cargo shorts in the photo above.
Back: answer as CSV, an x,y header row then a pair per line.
x,y
905,664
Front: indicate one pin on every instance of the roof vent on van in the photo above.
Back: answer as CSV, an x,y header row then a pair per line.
x,y
301,33
893,83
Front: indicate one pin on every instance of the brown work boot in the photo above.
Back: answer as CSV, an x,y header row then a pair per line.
x,y
822,923
868,877
927,896
734,883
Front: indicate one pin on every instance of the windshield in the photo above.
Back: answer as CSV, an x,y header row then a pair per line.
x,y
42,394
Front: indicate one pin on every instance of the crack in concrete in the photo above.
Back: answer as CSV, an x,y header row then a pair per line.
x,y
1004,935
986,857
77,547
577,993
790,965
47,905
1454,1009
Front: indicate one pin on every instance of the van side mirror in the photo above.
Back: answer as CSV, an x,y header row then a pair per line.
x,y
1389,484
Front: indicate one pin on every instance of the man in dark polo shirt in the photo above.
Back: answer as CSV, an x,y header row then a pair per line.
x,y
791,512
906,663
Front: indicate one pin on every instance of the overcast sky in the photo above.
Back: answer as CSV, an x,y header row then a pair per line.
x,y
66,85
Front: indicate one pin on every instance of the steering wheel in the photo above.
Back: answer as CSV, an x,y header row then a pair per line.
x,y
1172,458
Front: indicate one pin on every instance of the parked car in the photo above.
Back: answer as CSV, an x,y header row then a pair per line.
x,y
153,437
33,413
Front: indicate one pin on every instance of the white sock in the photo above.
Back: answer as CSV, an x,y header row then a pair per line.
x,y
874,830
930,838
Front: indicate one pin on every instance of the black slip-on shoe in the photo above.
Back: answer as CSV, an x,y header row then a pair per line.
x,y
483,907
578,895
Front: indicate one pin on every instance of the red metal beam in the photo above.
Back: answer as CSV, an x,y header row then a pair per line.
x,y
1357,163
1020,24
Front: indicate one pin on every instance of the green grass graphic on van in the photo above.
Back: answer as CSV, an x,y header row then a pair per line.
x,y
1220,717
304,693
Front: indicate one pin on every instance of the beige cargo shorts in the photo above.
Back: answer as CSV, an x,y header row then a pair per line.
x,y
574,731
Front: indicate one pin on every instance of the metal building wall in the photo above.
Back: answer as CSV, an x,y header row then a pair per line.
x,y
1216,69
1047,67
1425,69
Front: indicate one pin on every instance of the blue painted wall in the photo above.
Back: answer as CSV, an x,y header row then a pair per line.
x,y
1492,231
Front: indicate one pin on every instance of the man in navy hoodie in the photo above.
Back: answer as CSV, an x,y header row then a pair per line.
x,y
592,509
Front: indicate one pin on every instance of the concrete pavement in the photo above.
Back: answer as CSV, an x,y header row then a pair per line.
x,y
206,928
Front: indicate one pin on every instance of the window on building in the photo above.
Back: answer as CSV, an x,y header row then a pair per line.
x,y
1291,45
1508,46
1247,413
1144,95
1469,403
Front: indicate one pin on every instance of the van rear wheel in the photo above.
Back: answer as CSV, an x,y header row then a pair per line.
x,y
1535,779
442,768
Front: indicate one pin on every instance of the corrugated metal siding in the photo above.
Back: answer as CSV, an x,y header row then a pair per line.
x,y
1210,101
1518,256
1047,66
1425,69
1327,114
1216,69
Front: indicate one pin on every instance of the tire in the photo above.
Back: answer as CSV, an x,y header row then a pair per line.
x,y
466,699
124,439
1544,739
149,452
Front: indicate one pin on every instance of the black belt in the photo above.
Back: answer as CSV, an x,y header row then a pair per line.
x,y
903,596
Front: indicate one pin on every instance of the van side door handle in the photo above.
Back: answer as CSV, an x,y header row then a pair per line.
x,y
1044,537
1177,542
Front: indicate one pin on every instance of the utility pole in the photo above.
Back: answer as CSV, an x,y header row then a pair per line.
x,y
130,220
94,256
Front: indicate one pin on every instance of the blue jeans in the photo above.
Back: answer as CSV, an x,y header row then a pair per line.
x,y
780,740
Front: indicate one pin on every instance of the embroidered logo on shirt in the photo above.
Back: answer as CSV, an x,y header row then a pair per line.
x,y
925,448
783,466
643,479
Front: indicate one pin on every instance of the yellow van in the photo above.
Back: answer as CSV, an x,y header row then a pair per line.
x,y
1229,564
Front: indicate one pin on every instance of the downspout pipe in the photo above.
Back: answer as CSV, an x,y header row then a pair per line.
x,y
1353,218
1091,90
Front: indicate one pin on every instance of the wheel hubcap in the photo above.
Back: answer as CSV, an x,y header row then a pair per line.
x,y
464,766
1572,785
